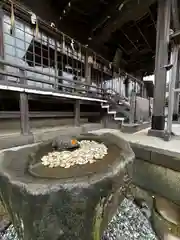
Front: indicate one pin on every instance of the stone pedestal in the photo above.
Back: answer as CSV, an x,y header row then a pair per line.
x,y
76,204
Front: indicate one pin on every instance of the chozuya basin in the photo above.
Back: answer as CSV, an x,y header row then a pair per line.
x,y
64,204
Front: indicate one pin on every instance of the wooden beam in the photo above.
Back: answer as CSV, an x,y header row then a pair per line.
x,y
24,108
135,10
139,29
1,38
162,43
47,114
106,14
87,69
24,114
172,85
176,94
152,18
175,14
77,113
134,45
175,35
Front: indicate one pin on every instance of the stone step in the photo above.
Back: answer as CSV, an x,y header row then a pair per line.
x,y
105,106
127,104
111,112
123,114
119,119
120,103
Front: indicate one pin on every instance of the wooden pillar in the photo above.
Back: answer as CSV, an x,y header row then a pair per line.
x,y
176,25
175,15
24,113
88,61
24,108
1,40
77,113
126,83
172,83
132,107
142,90
55,66
104,117
141,86
162,42
176,94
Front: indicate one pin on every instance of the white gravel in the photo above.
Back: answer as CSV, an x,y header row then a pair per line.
x,y
129,223
88,152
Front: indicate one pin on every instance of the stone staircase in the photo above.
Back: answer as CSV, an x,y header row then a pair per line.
x,y
119,109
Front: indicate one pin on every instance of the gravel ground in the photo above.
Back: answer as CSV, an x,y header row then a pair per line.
x,y
128,224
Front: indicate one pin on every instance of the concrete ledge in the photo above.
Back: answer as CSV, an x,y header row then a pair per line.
x,y
168,160
132,128
157,179
113,124
141,152
38,123
151,149
156,133
15,140
165,158
157,165
91,127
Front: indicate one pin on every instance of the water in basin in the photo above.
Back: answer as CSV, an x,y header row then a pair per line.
x,y
39,170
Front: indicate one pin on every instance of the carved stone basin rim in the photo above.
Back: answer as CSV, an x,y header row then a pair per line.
x,y
17,161
113,161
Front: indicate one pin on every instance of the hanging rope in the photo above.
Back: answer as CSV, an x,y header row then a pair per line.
x,y
12,29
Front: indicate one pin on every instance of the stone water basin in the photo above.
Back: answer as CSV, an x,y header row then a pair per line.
x,y
64,204
88,169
